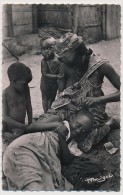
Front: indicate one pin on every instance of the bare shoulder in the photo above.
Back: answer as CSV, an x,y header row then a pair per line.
x,y
55,59
106,68
43,62
5,92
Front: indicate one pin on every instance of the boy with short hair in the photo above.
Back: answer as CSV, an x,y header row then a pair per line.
x,y
16,101
50,72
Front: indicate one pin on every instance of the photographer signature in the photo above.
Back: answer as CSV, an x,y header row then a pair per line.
x,y
99,179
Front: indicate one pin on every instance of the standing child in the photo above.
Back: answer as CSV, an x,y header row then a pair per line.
x,y
16,102
50,72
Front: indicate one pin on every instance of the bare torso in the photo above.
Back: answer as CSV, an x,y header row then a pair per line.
x,y
16,103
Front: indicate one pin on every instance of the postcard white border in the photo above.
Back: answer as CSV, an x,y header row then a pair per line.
x,y
118,2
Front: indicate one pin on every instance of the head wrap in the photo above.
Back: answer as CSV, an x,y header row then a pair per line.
x,y
49,38
68,43
19,71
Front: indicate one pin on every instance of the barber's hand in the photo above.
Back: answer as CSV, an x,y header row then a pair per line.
x,y
63,94
77,102
91,101
72,108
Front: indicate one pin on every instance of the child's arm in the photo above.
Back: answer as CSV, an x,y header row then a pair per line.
x,y
11,123
52,118
29,107
46,74
62,81
47,124
41,126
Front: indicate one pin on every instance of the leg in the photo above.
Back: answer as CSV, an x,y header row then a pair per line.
x,y
45,104
113,123
94,137
52,94
45,95
97,135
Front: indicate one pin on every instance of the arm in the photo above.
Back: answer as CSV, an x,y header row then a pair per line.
x,y
29,107
11,123
108,71
41,126
44,71
62,81
65,156
52,118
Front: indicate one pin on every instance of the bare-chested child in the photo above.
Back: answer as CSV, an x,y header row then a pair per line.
x,y
16,102
50,72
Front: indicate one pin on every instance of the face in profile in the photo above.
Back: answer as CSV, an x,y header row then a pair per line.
x,y
69,59
81,125
47,48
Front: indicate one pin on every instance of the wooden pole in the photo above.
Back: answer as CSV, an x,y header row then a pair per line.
x,y
104,21
10,21
34,18
75,18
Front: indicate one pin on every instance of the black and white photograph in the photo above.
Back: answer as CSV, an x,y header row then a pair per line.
x,y
61,112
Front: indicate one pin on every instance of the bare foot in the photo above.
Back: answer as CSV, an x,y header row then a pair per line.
x,y
113,123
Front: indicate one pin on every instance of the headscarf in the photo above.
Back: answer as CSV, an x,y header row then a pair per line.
x,y
68,43
19,71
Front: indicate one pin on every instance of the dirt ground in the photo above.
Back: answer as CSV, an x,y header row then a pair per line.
x,y
111,51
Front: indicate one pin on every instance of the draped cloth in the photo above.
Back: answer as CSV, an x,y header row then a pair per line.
x,y
34,158
90,85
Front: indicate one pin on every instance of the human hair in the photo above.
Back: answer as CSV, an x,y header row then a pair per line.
x,y
87,114
19,71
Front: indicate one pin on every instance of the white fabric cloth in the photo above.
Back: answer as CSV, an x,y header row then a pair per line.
x,y
73,144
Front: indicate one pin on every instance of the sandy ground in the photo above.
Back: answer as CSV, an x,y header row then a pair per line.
x,y
111,50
